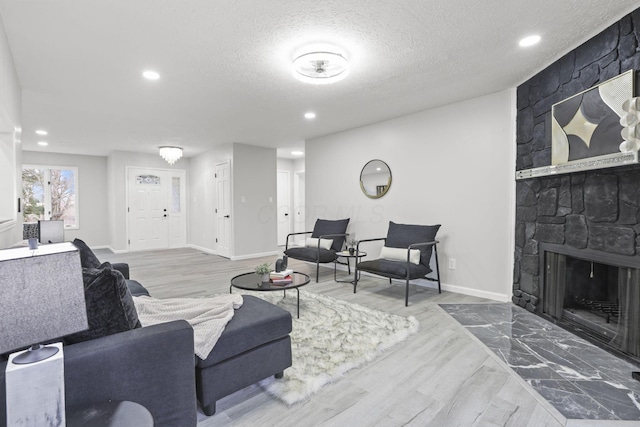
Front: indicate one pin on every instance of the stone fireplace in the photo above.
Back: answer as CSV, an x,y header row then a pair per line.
x,y
581,224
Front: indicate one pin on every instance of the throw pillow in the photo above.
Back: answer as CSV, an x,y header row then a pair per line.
x,y
110,307
87,258
400,254
312,242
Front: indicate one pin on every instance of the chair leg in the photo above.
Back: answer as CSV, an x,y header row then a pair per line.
x,y
406,295
317,271
355,278
435,252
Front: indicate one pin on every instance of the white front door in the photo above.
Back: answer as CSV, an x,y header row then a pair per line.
x,y
156,202
284,206
223,208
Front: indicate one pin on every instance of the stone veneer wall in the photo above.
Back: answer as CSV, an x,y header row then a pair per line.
x,y
595,209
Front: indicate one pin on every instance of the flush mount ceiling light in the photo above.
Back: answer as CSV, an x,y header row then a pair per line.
x,y
150,75
43,143
320,67
529,41
310,115
41,132
297,153
170,154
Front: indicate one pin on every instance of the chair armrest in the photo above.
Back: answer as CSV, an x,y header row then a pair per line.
x,y
416,245
122,267
286,246
369,240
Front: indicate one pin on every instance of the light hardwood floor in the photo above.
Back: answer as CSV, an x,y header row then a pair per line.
x,y
442,376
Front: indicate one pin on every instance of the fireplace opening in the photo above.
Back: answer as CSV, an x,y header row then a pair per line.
x,y
595,295
591,300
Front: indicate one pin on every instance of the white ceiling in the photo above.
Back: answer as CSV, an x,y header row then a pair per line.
x,y
225,65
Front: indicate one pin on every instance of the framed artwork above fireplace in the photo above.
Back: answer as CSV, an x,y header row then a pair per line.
x,y
586,130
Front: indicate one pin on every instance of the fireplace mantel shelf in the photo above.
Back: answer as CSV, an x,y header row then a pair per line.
x,y
592,163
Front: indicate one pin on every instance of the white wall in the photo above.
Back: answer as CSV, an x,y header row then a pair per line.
x,y
452,165
254,201
92,193
117,163
11,106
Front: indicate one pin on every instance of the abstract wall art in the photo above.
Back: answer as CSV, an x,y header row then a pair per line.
x,y
587,124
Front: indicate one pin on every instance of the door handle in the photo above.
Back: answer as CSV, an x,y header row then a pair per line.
x,y
286,214
165,215
226,216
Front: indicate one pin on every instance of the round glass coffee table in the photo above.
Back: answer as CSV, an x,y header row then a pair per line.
x,y
253,282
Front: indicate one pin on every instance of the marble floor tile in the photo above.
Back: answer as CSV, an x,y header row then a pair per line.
x,y
580,380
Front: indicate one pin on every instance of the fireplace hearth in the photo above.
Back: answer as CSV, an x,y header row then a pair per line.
x,y
594,294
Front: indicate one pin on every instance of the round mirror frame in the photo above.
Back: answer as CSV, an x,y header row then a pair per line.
x,y
381,190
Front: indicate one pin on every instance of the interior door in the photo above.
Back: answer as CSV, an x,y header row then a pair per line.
x,y
223,208
147,211
299,215
284,206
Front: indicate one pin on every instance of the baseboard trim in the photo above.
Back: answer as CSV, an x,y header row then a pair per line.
x,y
476,293
117,251
251,256
446,287
202,249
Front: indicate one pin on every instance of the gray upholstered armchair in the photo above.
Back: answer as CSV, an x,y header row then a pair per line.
x,y
329,238
406,255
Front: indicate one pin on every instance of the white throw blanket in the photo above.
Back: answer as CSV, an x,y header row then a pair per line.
x,y
207,316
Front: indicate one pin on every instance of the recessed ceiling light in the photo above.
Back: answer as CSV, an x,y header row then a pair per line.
x,y
310,115
41,132
150,75
529,41
297,153
43,143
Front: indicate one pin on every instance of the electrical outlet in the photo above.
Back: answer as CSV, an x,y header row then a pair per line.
x,y
452,263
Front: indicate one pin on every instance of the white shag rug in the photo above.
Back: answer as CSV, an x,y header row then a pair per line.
x,y
330,338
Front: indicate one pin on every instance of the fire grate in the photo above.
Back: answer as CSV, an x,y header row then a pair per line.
x,y
608,309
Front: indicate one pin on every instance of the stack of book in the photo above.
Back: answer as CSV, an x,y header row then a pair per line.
x,y
281,277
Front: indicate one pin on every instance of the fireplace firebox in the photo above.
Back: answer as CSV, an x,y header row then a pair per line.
x,y
594,294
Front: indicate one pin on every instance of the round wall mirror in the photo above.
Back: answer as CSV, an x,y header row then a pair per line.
x,y
375,179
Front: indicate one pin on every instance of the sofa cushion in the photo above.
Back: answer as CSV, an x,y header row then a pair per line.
x,y
324,227
257,322
311,254
403,235
395,269
87,258
110,307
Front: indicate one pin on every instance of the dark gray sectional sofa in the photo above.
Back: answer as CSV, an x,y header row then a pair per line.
x,y
155,366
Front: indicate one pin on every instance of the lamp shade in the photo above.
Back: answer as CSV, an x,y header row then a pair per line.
x,y
41,295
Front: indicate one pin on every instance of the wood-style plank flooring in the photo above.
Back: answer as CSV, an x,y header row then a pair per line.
x,y
442,376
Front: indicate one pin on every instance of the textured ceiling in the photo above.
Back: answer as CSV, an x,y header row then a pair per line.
x,y
225,65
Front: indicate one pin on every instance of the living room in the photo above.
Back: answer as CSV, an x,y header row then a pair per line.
x,y
452,164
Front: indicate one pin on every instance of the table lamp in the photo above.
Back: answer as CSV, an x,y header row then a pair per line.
x,y
41,300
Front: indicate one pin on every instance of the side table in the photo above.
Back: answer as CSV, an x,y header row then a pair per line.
x,y
109,414
348,255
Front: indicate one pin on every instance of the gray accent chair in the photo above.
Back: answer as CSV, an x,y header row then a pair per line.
x,y
323,229
404,236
